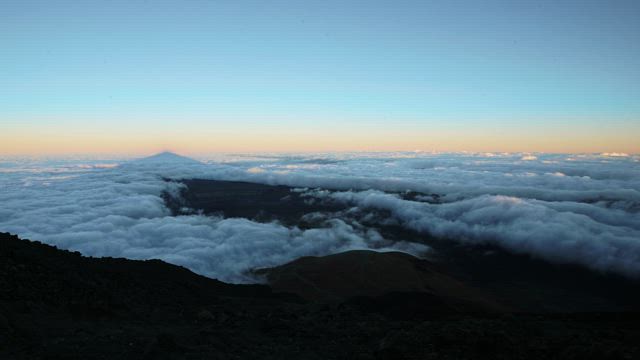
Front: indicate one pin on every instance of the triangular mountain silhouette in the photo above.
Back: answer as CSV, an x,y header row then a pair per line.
x,y
166,157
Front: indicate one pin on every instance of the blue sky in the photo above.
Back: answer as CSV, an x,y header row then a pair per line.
x,y
245,67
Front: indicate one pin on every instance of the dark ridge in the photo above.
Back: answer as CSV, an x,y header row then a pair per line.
x,y
56,304
247,200
369,274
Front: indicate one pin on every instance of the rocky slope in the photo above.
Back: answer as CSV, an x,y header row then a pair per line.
x,y
362,273
57,304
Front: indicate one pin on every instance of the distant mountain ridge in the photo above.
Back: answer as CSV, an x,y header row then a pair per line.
x,y
166,157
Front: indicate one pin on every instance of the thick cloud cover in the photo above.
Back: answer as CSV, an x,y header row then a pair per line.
x,y
104,210
566,208
601,238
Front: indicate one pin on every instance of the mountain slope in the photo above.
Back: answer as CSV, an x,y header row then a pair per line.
x,y
57,304
355,273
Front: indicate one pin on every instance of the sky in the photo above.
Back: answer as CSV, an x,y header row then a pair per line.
x,y
198,76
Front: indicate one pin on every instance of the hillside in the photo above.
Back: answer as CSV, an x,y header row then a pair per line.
x,y
57,304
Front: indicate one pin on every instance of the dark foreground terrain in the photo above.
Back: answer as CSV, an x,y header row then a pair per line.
x,y
57,304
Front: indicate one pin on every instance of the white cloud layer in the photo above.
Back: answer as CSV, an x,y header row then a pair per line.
x,y
566,208
565,232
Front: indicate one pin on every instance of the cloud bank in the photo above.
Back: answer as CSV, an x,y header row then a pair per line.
x,y
600,238
581,209
119,212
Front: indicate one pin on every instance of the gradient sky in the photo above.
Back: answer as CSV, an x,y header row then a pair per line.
x,y
204,75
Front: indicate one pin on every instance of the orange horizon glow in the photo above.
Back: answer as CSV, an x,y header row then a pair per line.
x,y
63,142
216,76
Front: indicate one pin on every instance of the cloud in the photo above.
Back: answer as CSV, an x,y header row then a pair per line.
x,y
615,154
566,208
597,237
119,212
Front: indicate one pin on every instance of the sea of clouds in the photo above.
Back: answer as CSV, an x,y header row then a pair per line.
x,y
582,209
